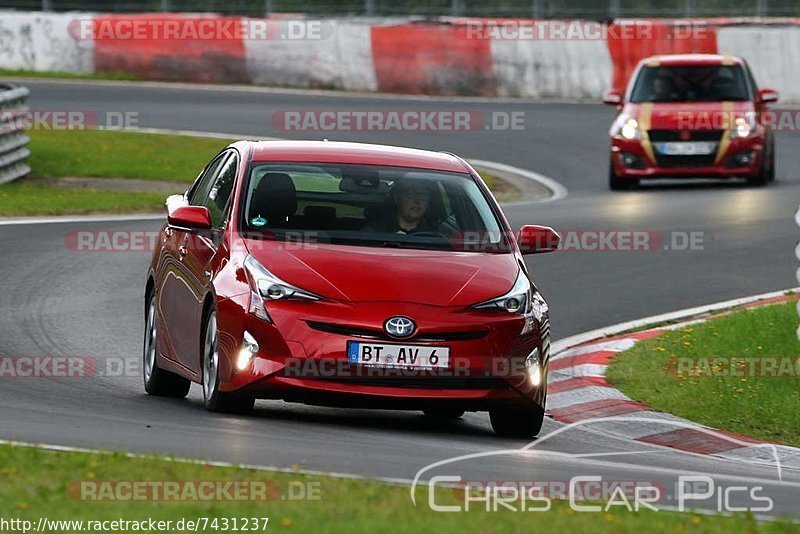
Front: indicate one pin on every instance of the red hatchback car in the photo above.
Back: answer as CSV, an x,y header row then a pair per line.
x,y
347,274
694,115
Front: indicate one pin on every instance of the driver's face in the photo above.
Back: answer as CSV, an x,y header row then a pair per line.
x,y
413,203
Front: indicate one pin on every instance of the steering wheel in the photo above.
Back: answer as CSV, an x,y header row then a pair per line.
x,y
430,234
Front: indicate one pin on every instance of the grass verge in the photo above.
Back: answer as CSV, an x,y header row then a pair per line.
x,y
97,153
36,484
722,393
20,199
129,155
24,73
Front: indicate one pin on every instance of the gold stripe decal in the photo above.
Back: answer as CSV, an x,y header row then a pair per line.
x,y
645,115
727,116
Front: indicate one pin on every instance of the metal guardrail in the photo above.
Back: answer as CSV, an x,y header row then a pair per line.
x,y
14,141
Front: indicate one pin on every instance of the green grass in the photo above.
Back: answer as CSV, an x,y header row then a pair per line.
x,y
35,483
761,407
24,73
21,199
106,154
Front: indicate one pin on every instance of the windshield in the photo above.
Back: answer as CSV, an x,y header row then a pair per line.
x,y
370,205
691,84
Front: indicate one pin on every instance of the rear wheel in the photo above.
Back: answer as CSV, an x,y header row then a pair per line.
x,y
441,413
157,381
615,183
215,400
517,421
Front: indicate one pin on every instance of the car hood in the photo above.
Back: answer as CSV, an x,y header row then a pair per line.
x,y
360,274
686,115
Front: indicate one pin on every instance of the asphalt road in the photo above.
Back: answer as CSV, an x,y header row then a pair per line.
x,y
55,301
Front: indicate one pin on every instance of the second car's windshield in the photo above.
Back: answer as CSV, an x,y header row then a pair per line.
x,y
691,84
370,205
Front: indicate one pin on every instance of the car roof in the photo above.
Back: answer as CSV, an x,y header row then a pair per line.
x,y
352,153
686,60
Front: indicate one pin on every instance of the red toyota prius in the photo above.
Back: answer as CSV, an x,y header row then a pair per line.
x,y
347,274
692,115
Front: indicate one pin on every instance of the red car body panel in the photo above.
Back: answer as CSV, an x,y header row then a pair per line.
x,y
689,118
361,287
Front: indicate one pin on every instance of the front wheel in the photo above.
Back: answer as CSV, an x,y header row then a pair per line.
x,y
215,400
517,421
157,381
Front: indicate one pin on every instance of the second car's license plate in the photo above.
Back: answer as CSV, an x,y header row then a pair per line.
x,y
396,355
695,148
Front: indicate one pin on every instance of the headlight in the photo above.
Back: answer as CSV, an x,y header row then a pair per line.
x,y
627,127
517,300
743,126
265,285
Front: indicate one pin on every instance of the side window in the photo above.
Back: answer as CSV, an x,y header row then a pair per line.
x,y
219,194
200,187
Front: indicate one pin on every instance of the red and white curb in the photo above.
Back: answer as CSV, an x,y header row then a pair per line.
x,y
578,391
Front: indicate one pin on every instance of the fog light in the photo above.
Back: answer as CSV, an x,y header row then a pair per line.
x,y
632,161
534,368
246,353
744,158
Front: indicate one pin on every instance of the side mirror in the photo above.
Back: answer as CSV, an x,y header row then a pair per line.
x,y
766,96
190,217
534,239
612,97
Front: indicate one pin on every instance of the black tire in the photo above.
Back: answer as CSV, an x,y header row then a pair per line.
x,y
215,400
157,381
771,173
443,413
763,177
615,183
517,421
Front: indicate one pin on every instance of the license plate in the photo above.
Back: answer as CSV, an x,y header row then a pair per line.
x,y
396,355
690,148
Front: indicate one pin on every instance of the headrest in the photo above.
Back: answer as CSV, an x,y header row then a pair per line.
x,y
275,197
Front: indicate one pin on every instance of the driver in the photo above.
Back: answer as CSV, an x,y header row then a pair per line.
x,y
663,88
409,208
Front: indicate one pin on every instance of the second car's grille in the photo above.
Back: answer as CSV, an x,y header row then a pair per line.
x,y
371,333
684,135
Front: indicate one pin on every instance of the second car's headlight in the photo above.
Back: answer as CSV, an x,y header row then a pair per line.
x,y
627,127
265,285
743,126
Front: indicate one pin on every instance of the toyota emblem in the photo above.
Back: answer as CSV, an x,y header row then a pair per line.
x,y
399,327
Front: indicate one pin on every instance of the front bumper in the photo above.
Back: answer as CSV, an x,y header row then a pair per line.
x,y
636,159
302,356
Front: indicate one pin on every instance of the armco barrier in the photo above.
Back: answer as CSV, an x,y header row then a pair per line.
x,y
14,150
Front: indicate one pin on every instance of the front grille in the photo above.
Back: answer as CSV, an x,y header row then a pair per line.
x,y
657,136
374,333
685,161
675,135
